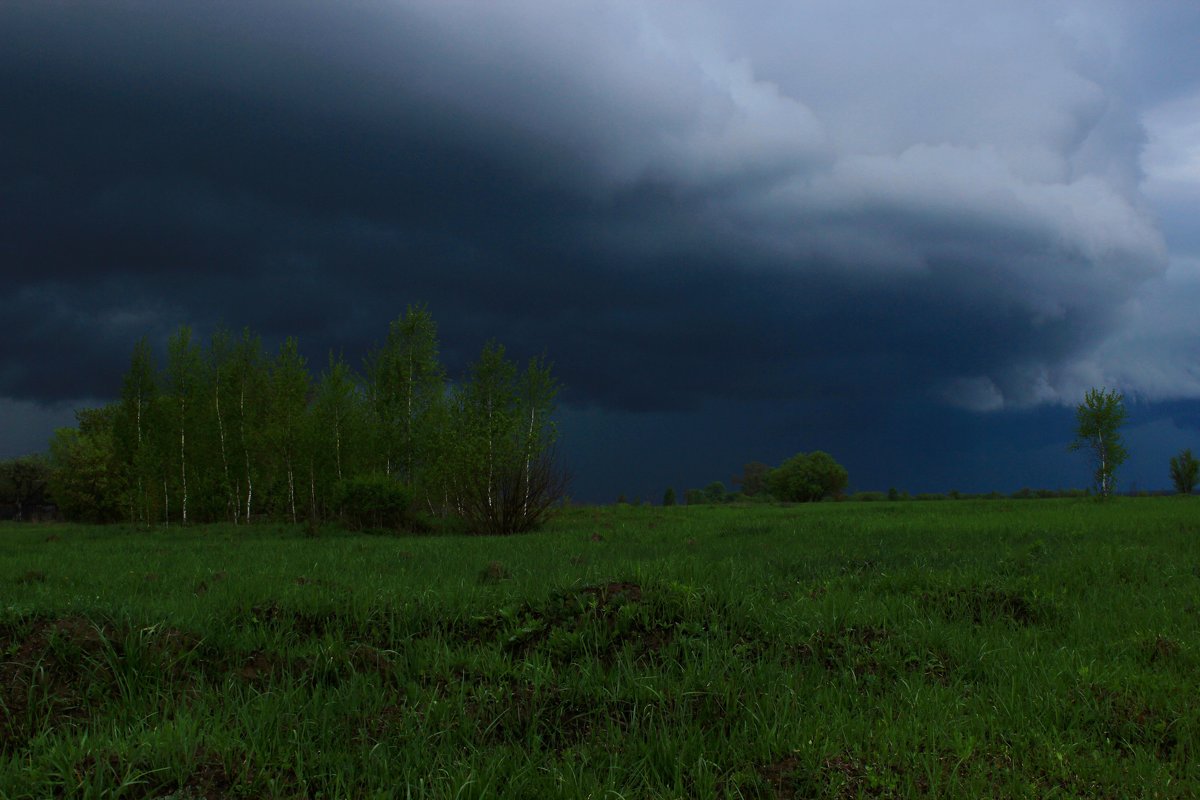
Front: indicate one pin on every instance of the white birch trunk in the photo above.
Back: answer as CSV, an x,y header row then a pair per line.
x,y
183,456
246,451
291,488
231,501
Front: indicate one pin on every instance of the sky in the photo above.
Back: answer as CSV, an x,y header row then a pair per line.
x,y
912,235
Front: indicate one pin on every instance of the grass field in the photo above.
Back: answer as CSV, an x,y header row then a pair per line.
x,y
953,649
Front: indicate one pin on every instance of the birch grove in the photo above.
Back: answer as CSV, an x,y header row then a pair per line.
x,y
228,432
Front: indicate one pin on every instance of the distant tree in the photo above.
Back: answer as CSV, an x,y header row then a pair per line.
x,y
23,482
754,478
1185,470
693,497
714,493
1098,421
669,496
807,478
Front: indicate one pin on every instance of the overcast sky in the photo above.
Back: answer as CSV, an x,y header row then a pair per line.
x,y
911,234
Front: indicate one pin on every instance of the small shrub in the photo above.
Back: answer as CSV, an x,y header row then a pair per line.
x,y
375,501
714,493
1184,471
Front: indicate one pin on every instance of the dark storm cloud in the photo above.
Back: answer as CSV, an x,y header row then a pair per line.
x,y
680,205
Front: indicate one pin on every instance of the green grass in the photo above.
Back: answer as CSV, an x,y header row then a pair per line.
x,y
958,649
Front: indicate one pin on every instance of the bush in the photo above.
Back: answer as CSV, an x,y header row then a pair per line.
x,y
807,477
1184,471
375,501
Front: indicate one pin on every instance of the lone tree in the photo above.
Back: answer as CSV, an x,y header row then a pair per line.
x,y
1184,470
807,477
1098,421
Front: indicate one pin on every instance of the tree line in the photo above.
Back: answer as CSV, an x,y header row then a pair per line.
x,y
803,478
225,431
817,476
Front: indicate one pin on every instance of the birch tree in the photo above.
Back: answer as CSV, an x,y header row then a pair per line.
x,y
134,428
183,389
405,384
221,394
506,471
286,425
338,433
248,389
1098,421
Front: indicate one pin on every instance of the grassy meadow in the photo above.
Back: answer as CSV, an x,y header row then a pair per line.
x,y
1044,648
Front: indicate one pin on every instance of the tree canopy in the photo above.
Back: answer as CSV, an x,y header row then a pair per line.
x,y
229,432
1098,421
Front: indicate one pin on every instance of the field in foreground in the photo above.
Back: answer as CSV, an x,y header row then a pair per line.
x,y
953,649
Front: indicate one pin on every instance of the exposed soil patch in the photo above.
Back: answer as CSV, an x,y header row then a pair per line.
x,y
1128,723
982,605
1162,648
781,778
42,678
625,592
853,648
31,577
594,622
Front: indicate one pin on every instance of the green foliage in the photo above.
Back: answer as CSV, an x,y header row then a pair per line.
x,y
669,496
805,478
406,389
24,482
86,480
134,434
287,423
1185,469
754,478
504,477
229,433
715,493
374,501
1098,421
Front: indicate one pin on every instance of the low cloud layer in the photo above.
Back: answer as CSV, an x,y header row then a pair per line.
x,y
966,205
